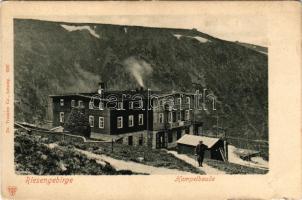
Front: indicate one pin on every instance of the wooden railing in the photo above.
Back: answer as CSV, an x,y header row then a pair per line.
x,y
177,124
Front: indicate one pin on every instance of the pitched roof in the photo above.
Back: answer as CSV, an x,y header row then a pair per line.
x,y
193,140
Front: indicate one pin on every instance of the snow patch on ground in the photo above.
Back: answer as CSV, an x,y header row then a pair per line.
x,y
80,28
200,39
255,161
177,36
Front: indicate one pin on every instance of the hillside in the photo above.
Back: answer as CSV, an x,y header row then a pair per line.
x,y
254,47
53,57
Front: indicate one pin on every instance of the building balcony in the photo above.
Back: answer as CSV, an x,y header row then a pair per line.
x,y
176,107
171,125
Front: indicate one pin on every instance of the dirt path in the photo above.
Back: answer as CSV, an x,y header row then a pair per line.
x,y
206,168
133,166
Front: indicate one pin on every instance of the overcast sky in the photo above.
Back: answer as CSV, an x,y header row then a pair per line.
x,y
234,28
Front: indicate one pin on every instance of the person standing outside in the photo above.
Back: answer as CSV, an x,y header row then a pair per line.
x,y
200,149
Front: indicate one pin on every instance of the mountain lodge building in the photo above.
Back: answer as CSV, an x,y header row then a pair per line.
x,y
135,117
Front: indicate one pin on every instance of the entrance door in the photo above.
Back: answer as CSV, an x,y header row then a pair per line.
x,y
197,129
160,140
130,140
178,134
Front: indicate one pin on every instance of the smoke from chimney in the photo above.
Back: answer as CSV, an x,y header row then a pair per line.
x,y
139,69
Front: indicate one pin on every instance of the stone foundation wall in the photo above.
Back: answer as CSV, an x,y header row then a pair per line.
x,y
144,135
136,136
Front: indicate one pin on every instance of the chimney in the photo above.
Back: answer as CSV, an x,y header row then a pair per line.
x,y
102,87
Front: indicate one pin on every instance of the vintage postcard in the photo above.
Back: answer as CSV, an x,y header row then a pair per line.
x,y
151,100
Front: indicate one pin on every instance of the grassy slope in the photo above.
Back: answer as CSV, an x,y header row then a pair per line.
x,y
232,168
32,156
49,59
153,157
34,163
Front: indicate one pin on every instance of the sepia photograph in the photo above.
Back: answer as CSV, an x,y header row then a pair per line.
x,y
134,97
150,100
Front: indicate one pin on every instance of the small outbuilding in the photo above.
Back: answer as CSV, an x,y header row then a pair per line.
x,y
217,148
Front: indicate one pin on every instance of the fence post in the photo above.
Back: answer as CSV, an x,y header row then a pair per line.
x,y
226,152
111,145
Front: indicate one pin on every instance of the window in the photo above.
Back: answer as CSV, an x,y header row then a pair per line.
x,y
179,116
131,105
91,120
188,100
155,103
120,122
72,103
170,117
90,104
187,115
101,122
80,103
178,101
62,117
170,137
161,117
101,105
130,121
120,105
61,102
140,119
178,134
161,103
141,104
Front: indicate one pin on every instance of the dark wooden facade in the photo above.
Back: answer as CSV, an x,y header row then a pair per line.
x,y
166,125
125,113
110,115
